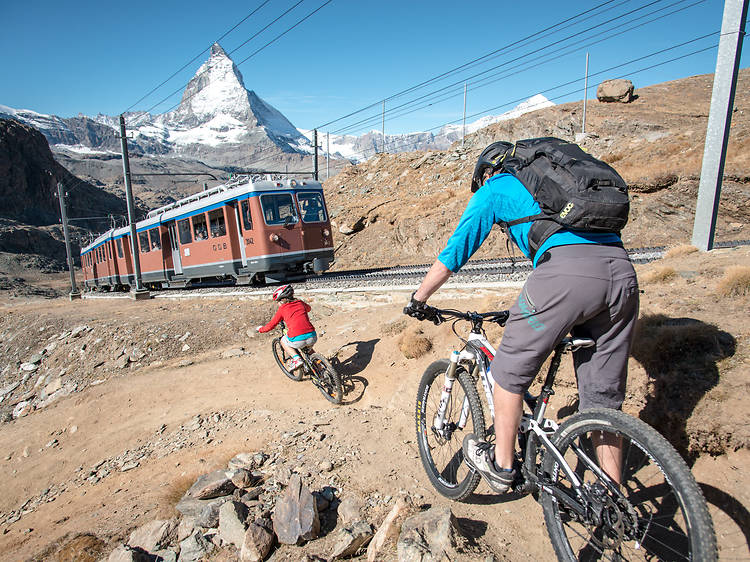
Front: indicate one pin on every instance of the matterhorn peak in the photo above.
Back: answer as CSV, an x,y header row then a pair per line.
x,y
217,50
217,89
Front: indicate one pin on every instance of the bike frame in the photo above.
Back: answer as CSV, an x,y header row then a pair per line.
x,y
477,355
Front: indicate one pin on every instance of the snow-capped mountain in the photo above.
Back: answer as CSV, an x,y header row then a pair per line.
x,y
360,148
223,124
218,121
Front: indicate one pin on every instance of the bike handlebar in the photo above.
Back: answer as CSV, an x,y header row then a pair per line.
x,y
440,315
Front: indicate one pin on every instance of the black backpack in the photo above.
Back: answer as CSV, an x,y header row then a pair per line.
x,y
574,190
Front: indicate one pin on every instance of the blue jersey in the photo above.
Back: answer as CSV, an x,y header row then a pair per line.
x,y
503,199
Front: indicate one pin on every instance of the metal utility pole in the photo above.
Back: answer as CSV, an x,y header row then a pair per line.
x,y
140,292
383,127
719,120
74,293
463,127
328,155
315,142
585,94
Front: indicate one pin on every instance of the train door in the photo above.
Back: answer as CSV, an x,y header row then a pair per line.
x,y
314,220
242,209
173,244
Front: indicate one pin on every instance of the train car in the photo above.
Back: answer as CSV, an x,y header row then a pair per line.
x,y
244,231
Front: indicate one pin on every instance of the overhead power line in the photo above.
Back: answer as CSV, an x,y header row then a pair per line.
x,y
269,43
370,152
196,57
576,38
456,89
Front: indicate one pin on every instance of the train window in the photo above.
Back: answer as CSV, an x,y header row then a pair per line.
x,y
199,227
278,208
109,251
155,239
119,248
216,220
247,217
311,207
184,227
143,241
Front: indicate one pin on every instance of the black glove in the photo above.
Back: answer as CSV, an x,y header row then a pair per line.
x,y
420,310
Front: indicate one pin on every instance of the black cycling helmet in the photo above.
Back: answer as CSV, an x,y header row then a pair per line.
x,y
491,159
283,292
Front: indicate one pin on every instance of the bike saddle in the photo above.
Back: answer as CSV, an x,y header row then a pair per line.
x,y
572,344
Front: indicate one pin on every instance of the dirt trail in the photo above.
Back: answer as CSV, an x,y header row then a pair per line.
x,y
142,419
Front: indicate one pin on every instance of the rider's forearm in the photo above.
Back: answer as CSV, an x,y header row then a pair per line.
x,y
436,276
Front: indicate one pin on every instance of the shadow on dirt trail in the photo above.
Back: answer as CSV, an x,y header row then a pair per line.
x,y
680,356
357,356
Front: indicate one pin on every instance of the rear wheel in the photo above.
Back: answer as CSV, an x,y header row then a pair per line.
x,y
660,514
441,449
282,359
326,378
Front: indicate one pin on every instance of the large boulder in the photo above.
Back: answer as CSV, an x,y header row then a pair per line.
x,y
617,90
430,536
295,518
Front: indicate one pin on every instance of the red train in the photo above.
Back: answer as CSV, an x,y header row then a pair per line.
x,y
244,231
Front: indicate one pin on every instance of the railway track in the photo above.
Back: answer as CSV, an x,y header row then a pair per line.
x,y
501,270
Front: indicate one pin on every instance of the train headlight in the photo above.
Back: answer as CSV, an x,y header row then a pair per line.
x,y
274,237
326,232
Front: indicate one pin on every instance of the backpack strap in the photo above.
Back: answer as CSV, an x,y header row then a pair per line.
x,y
542,228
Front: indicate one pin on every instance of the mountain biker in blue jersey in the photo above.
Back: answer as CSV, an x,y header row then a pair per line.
x,y
583,283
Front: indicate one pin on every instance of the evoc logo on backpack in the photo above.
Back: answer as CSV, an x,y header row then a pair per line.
x,y
574,190
566,210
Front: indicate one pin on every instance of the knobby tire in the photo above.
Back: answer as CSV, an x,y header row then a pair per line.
x,y
672,516
328,379
442,457
281,360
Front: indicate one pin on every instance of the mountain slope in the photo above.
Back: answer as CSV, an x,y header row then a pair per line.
x,y
410,203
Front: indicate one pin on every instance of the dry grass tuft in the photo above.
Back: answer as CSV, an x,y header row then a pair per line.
x,y
736,282
393,328
80,548
659,275
178,487
413,343
679,251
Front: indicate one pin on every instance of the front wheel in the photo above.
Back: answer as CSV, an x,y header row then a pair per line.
x,y
326,378
440,441
282,359
660,513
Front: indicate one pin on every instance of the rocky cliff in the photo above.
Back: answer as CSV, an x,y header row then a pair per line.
x,y
28,189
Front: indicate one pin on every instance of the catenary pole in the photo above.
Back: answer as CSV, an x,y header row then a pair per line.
x,y
585,92
463,126
74,293
719,120
328,155
383,127
315,142
140,292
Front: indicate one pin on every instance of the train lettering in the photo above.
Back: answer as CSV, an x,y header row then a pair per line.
x,y
220,246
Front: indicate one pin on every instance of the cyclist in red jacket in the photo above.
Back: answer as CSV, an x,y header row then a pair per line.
x,y
300,331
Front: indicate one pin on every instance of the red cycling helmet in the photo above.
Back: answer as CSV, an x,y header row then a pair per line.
x,y
283,292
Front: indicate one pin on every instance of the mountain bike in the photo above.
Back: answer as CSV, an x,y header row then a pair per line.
x,y
316,366
657,512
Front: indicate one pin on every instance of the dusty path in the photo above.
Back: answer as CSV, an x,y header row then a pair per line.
x,y
146,417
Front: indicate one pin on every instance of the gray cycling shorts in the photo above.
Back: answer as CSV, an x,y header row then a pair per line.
x,y
301,344
587,290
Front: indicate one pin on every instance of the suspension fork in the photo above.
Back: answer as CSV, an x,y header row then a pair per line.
x,y
450,378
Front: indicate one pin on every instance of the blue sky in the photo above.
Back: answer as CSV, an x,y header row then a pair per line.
x,y
91,57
